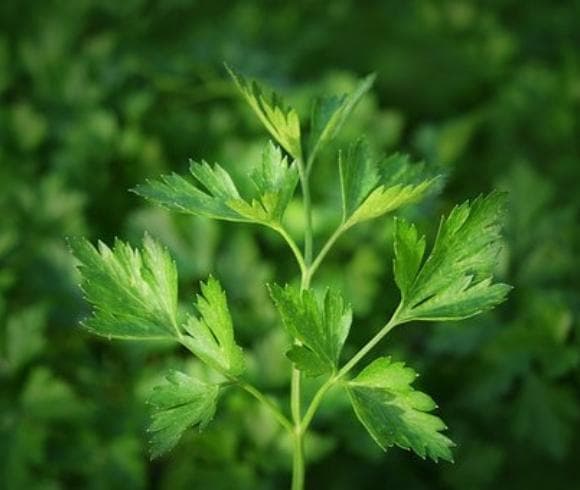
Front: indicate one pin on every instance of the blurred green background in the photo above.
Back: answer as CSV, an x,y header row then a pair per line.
x,y
98,95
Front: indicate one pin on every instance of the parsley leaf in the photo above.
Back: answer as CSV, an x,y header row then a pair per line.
x,y
176,193
181,403
211,336
330,112
455,282
276,115
320,326
394,413
133,292
276,182
370,189
216,195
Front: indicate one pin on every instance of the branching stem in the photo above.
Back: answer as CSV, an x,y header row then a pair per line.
x,y
339,376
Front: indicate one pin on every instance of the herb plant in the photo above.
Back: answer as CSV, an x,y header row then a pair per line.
x,y
135,297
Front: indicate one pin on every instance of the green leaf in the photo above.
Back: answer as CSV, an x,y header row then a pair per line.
x,y
321,327
275,182
394,413
330,112
455,282
176,406
211,336
409,250
211,200
370,189
276,115
216,195
133,292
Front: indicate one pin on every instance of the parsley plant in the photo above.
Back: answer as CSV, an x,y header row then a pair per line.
x,y
134,291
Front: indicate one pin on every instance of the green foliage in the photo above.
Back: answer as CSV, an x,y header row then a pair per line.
x,y
211,336
275,181
133,292
276,115
455,281
330,112
181,403
93,105
370,189
320,326
394,413
178,194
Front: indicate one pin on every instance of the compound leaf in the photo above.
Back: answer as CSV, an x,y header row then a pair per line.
x,y
211,336
321,327
370,189
133,292
176,406
394,413
215,194
276,115
455,282
330,112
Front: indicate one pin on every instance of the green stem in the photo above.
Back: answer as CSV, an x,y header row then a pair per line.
x,y
292,244
305,184
325,249
316,400
393,322
258,395
298,467
298,463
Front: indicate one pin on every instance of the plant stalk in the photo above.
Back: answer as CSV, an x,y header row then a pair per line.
x,y
298,464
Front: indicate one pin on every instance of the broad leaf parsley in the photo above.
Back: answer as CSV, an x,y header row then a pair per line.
x,y
133,291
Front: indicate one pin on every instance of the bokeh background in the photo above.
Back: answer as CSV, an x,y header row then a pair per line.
x,y
98,95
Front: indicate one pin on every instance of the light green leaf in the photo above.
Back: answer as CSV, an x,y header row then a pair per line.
x,y
133,292
455,281
211,200
370,189
330,112
394,413
275,182
211,336
216,195
276,115
320,326
176,406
